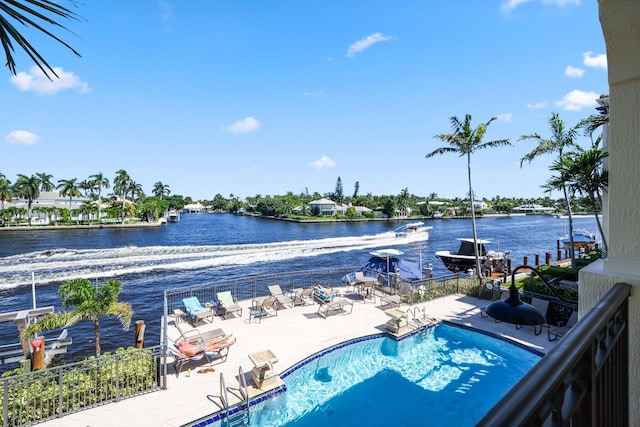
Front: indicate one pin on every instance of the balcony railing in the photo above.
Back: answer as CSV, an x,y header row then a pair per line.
x,y
583,380
45,394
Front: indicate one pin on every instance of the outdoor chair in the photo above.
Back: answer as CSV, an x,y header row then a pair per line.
x,y
282,299
403,295
542,305
303,296
195,335
323,295
337,305
227,304
196,311
266,307
562,328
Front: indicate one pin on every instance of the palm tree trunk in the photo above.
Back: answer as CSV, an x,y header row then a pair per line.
x,y
475,232
572,248
96,325
595,212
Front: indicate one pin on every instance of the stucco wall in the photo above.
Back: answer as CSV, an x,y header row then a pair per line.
x,y
620,20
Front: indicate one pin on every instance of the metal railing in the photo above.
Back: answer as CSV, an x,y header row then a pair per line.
x,y
583,380
45,394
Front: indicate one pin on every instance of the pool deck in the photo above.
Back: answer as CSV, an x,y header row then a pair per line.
x,y
293,335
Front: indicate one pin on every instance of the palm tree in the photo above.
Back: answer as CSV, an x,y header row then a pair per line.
x,y
587,177
68,187
464,141
99,181
160,190
45,181
87,302
31,13
561,139
5,189
121,187
27,187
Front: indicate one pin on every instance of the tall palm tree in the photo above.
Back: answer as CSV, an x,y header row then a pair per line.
x,y
561,139
121,187
35,14
87,302
464,141
587,177
69,187
45,181
160,190
27,187
99,181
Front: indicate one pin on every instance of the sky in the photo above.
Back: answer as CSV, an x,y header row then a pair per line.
x,y
259,97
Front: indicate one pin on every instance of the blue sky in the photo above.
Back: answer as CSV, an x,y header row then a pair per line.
x,y
266,97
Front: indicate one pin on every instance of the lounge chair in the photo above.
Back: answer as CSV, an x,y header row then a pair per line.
x,y
196,311
562,328
194,334
263,308
227,304
542,305
303,296
283,299
334,306
323,295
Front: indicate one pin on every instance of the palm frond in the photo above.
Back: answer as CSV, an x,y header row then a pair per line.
x,y
32,16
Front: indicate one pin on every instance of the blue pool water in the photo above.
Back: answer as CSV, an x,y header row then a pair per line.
x,y
445,376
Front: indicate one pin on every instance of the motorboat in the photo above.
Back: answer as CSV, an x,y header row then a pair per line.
x,y
465,257
437,215
241,211
412,228
173,215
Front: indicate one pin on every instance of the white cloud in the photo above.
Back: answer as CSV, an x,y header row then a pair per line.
x,y
323,162
365,43
245,125
573,72
537,105
599,61
36,81
510,5
21,137
505,117
576,100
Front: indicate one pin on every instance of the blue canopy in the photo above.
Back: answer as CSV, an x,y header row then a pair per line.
x,y
409,271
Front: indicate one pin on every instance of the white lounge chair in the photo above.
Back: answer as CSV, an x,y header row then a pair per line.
x,y
283,300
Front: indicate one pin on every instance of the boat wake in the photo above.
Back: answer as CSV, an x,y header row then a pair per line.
x,y
63,264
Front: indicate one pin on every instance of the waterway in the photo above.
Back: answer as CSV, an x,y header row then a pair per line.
x,y
204,248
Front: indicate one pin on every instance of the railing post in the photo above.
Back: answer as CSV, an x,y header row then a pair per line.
x,y
117,378
60,393
5,403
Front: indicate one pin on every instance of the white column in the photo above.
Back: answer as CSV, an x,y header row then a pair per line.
x,y
620,20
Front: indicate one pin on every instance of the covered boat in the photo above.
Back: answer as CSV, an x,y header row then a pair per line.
x,y
465,257
385,261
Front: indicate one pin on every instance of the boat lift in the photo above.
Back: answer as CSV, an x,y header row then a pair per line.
x,y
13,353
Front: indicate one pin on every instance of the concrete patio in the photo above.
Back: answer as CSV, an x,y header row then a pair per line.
x,y
293,335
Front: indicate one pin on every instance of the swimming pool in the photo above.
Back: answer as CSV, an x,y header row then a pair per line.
x,y
444,376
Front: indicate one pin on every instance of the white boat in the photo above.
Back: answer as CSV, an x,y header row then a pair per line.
x,y
241,211
173,215
465,258
412,228
437,215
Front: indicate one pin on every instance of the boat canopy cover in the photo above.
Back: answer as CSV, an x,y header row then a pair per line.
x,y
409,271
